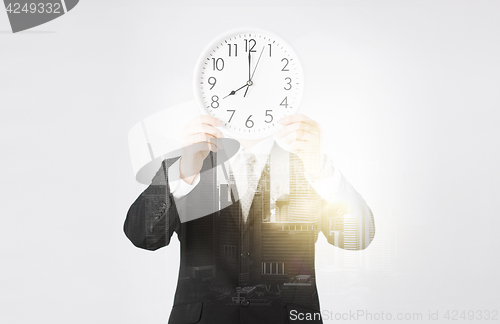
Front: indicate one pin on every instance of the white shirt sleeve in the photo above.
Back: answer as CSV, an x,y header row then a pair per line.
x,y
178,187
330,181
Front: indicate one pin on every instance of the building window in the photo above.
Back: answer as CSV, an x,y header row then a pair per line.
x,y
297,228
273,268
230,251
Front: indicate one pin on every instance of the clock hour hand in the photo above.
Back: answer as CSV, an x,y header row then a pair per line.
x,y
234,91
249,57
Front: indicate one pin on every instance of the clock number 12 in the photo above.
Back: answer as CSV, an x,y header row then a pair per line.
x,y
249,43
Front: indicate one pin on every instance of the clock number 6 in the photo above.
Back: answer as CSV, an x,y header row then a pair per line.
x,y
268,114
289,84
215,102
249,121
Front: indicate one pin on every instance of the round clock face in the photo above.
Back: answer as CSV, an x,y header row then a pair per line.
x,y
249,80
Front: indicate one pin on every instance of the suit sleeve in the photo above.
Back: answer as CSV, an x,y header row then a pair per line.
x,y
346,220
152,218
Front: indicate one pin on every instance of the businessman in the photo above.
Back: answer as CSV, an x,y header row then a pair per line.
x,y
248,233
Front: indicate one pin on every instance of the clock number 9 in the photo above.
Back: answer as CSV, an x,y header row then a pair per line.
x,y
218,64
249,121
288,84
215,102
212,81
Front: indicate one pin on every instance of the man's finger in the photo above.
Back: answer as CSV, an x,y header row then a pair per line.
x,y
297,118
203,128
204,119
296,126
301,136
197,147
200,138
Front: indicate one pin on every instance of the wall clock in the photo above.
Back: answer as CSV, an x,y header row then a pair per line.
x,y
249,79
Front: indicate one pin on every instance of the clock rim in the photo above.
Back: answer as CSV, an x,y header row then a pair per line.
x,y
197,71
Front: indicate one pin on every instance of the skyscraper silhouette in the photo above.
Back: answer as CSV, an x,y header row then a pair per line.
x,y
305,203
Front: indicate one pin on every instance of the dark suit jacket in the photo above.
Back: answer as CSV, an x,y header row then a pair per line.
x,y
231,271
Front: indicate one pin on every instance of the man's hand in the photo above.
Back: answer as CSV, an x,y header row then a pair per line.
x,y
199,138
303,135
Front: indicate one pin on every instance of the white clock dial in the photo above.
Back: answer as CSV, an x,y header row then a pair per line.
x,y
249,80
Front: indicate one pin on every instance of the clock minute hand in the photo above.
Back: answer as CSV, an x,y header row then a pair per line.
x,y
250,82
255,68
234,91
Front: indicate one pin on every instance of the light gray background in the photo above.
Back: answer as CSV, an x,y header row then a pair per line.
x,y
408,95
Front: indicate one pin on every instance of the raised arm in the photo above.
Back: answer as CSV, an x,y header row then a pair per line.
x,y
346,220
152,218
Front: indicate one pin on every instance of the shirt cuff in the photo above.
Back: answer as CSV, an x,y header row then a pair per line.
x,y
178,187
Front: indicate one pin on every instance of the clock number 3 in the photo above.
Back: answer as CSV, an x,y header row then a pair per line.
x,y
288,84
